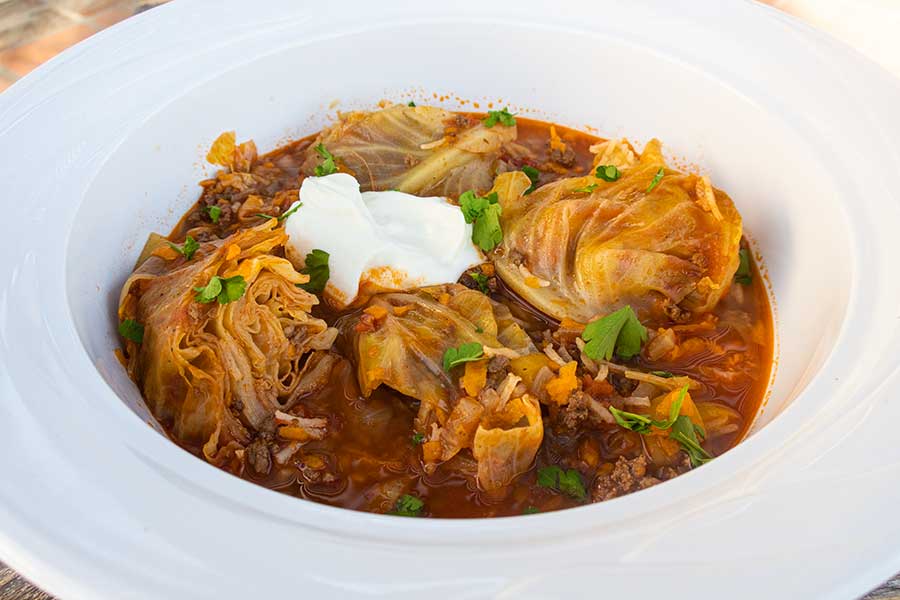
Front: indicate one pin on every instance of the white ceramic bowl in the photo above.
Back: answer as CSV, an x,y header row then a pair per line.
x,y
105,143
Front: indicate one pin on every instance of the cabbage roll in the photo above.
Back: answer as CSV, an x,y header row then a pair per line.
x,y
399,341
662,241
422,150
218,372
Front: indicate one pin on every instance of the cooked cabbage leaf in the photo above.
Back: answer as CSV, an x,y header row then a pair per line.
x,y
218,372
673,248
422,150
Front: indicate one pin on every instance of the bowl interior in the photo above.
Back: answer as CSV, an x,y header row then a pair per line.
x,y
703,119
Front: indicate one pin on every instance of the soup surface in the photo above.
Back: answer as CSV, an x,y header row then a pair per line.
x,y
338,429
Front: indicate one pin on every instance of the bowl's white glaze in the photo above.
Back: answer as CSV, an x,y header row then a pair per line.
x,y
108,143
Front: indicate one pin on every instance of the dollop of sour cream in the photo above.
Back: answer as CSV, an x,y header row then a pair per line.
x,y
378,241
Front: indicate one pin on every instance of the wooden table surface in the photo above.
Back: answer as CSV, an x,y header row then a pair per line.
x,y
13,587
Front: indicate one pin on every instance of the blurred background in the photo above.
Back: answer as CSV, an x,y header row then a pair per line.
x,y
33,31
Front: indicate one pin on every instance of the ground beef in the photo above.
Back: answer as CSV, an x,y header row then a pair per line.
x,y
258,457
467,280
627,475
576,411
497,369
566,157
622,384
676,313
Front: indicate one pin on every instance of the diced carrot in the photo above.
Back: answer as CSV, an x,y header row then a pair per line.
x,y
444,299
378,312
571,324
431,451
232,252
290,432
402,310
488,269
563,384
166,252
475,377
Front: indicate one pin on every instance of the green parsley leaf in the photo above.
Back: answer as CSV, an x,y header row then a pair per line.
x,y
408,506
418,438
607,172
484,212
644,424
744,274
465,353
187,249
534,175
223,289
504,117
131,330
588,189
214,213
620,332
663,374
685,433
411,104
656,179
318,271
284,216
568,482
530,510
478,329
482,280
327,167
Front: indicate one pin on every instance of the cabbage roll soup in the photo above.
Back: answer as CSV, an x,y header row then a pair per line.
x,y
427,313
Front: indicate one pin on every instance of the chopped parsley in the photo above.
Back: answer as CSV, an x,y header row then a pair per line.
x,y
656,179
568,482
411,104
327,167
744,275
482,280
663,374
607,173
504,117
478,329
187,249
214,213
685,432
588,189
530,510
534,175
465,353
418,438
131,330
408,506
223,289
643,423
318,271
620,332
484,213
281,218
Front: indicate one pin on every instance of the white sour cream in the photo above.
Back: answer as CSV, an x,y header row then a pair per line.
x,y
378,241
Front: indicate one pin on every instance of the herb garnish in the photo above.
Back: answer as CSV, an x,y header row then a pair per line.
x,y
484,212
607,172
663,374
568,482
656,179
482,280
620,332
534,175
187,249
743,275
504,117
131,330
530,510
318,271
327,167
465,353
643,423
225,290
214,213
588,189
418,438
411,104
408,506
284,216
685,432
